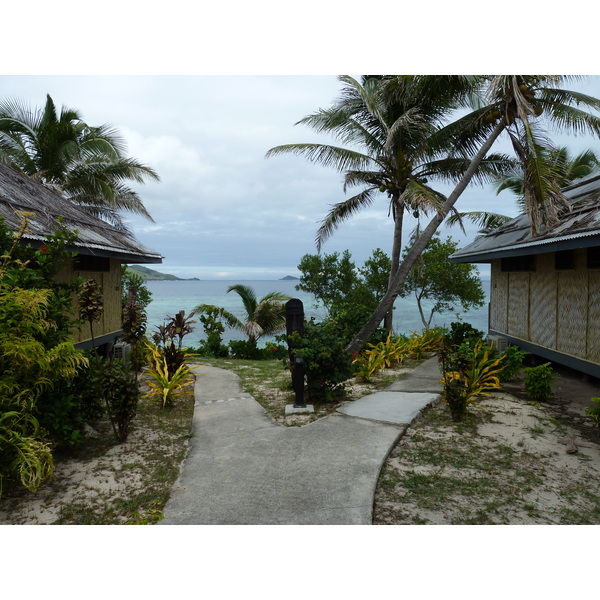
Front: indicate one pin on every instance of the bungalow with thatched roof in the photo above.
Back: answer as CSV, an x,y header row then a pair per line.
x,y
100,247
545,289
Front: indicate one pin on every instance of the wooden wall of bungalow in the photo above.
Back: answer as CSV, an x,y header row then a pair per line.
x,y
107,272
550,301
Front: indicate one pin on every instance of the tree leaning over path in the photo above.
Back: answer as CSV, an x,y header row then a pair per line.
x,y
434,279
85,164
565,168
386,126
516,105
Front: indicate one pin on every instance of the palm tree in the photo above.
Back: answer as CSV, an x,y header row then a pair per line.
x,y
566,169
388,123
520,106
85,164
263,317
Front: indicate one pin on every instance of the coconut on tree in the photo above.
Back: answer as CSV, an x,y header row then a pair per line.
x,y
386,126
86,164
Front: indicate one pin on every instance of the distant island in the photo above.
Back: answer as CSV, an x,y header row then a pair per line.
x,y
289,278
152,275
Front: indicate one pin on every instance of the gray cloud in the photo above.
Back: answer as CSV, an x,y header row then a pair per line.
x,y
221,209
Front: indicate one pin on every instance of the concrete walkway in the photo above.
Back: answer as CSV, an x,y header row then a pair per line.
x,y
243,468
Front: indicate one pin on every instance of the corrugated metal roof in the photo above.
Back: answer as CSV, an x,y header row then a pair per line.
x,y
578,228
94,236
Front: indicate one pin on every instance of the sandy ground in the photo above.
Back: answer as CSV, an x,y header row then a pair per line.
x,y
515,462
122,483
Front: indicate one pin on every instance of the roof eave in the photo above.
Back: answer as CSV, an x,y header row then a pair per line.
x,y
584,240
101,251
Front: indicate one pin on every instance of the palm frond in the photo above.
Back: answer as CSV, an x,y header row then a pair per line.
x,y
340,212
326,155
486,221
248,297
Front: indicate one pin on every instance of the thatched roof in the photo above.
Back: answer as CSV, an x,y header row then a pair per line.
x,y
578,228
94,236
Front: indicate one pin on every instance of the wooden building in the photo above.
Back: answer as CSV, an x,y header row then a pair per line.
x,y
545,289
101,248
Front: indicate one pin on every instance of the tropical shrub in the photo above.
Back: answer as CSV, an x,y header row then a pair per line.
x,y
461,332
392,351
91,303
430,340
513,361
213,329
327,365
175,328
369,363
168,386
121,394
395,350
468,373
538,381
245,350
131,279
24,454
134,331
35,354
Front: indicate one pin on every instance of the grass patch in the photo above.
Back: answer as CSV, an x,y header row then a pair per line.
x,y
450,470
270,384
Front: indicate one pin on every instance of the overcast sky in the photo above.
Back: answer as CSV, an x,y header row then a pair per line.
x,y
221,210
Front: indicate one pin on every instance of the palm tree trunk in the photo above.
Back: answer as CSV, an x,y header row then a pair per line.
x,y
396,249
361,338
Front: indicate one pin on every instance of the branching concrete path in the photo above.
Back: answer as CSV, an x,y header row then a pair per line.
x,y
243,468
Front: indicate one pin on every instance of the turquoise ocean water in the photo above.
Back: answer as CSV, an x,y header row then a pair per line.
x,y
169,297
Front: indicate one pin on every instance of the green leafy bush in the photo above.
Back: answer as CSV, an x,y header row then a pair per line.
x,y
538,381
327,364
460,332
131,279
35,352
513,361
213,329
121,393
245,350
594,412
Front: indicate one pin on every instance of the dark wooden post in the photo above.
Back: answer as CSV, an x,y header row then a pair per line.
x,y
294,323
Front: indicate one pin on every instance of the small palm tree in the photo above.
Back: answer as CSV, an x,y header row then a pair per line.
x,y
85,164
264,317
